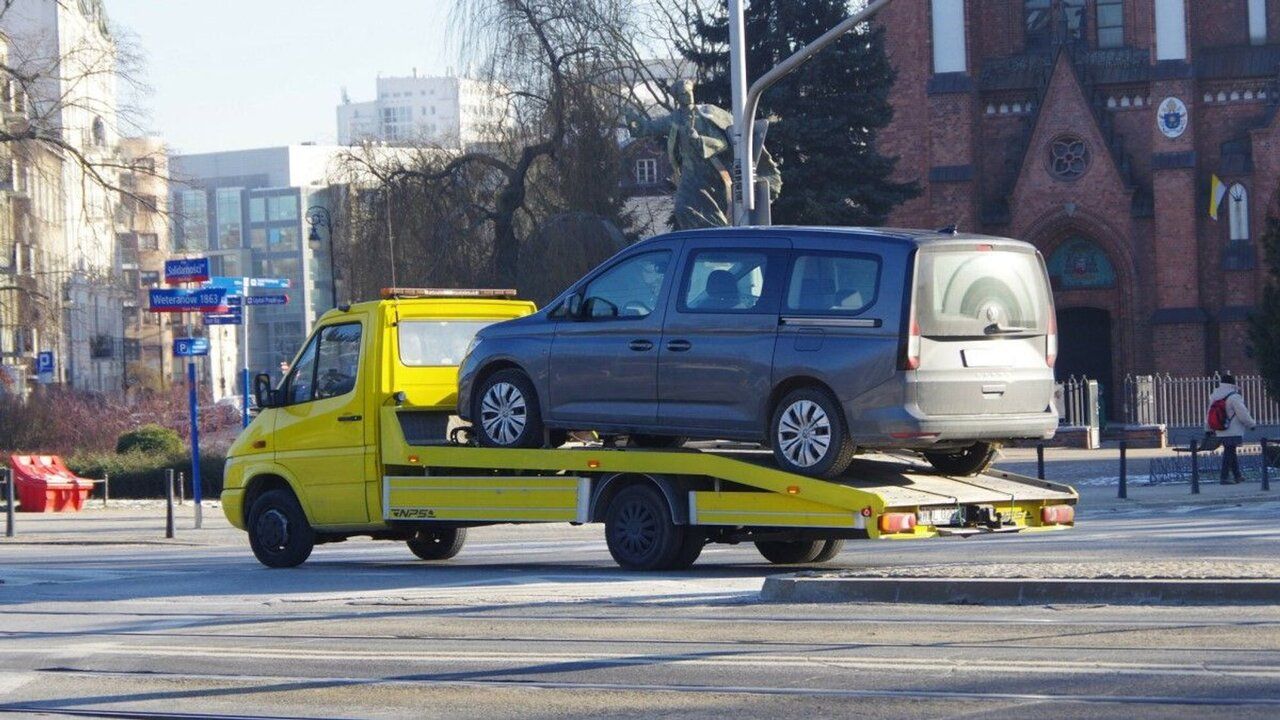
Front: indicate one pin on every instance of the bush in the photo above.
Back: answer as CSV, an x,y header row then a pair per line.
x,y
150,439
141,475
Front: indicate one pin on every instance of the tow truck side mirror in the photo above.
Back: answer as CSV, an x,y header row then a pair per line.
x,y
262,392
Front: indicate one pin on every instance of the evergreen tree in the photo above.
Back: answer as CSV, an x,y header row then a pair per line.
x,y
825,116
1264,324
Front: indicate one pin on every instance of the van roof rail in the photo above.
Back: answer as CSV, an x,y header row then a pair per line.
x,y
389,293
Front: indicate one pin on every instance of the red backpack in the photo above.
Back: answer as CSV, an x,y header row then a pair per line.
x,y
1218,417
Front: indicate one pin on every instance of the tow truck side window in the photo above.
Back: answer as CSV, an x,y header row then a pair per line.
x,y
327,367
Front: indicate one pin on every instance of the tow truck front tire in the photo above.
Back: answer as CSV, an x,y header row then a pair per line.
x,y
968,461
797,552
438,544
279,532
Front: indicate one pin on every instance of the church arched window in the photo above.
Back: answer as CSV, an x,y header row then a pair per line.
x,y
1238,212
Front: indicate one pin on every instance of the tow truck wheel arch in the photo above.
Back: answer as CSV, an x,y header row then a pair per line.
x,y
610,485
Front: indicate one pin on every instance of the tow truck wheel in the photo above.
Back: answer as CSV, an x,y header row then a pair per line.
x,y
830,549
640,532
438,544
798,552
808,434
969,461
506,411
694,542
278,530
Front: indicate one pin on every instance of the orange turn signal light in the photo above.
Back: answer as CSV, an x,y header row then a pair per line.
x,y
1057,514
593,464
413,458
793,489
897,522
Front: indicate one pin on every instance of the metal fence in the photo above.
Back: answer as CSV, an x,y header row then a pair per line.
x,y
1182,402
1078,402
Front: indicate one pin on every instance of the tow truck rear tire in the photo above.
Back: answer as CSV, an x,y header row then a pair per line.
x,y
438,544
830,549
797,552
640,532
964,462
694,542
279,532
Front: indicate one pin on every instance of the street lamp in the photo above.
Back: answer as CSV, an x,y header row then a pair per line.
x,y
317,216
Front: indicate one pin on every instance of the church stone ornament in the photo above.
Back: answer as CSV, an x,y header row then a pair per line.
x,y
1078,264
1068,157
700,147
1172,117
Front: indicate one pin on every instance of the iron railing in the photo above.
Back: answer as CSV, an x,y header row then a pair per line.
x,y
1182,402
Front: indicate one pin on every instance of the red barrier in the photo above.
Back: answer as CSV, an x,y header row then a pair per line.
x,y
44,484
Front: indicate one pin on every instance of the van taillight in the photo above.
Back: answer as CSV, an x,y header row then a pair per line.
x,y
912,359
1051,341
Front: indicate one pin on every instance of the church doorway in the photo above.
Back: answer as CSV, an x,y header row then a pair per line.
x,y
1084,349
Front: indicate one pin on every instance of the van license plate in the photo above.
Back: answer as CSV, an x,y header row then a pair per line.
x,y
985,358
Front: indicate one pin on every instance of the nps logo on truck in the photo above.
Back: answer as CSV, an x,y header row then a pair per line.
x,y
412,513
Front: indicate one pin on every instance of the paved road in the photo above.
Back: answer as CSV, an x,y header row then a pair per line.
x,y
536,622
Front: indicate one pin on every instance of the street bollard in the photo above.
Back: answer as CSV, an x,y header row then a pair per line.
x,y
1040,460
182,489
1266,468
1195,467
168,520
1124,470
8,501
106,488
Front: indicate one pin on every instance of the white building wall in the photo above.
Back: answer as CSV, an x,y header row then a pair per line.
x,y
449,112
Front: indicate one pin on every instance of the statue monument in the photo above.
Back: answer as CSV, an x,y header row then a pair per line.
x,y
700,148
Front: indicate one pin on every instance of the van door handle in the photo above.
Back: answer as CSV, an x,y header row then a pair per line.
x,y
641,345
350,418
679,345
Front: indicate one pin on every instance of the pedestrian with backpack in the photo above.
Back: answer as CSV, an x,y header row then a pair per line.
x,y
1228,418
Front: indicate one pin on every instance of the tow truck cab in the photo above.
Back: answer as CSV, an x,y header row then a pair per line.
x,y
317,434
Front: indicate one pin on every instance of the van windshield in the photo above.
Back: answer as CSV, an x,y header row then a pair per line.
x,y
437,343
981,292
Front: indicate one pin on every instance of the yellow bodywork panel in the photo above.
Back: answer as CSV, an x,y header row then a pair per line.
x,y
487,499
767,510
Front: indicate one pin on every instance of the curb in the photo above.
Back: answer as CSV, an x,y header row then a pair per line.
x,y
1028,591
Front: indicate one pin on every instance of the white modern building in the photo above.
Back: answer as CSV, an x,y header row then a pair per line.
x,y
66,45
449,112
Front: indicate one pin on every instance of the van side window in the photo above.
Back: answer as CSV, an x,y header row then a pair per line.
x,y
628,290
727,281
833,283
327,367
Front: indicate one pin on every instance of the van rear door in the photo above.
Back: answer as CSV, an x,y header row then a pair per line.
x,y
983,319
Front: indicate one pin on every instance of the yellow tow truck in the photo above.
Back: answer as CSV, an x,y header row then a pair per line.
x,y
360,439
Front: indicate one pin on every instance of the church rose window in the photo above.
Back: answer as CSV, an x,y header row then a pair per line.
x,y
1068,157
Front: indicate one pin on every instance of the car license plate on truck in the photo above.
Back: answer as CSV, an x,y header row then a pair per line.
x,y
938,517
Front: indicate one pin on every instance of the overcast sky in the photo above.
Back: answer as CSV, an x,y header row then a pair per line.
x,y
236,74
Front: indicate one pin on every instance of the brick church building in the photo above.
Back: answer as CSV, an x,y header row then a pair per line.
x,y
1094,129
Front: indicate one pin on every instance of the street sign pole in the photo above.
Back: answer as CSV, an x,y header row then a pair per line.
x,y
743,172
244,373
194,401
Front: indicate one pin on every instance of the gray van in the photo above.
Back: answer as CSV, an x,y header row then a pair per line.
x,y
816,342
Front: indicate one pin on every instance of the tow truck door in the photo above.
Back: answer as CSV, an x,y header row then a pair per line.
x,y
320,430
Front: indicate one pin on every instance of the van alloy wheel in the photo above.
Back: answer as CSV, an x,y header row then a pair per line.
x,y
502,412
804,433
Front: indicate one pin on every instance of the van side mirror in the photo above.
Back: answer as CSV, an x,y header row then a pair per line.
x,y
262,392
573,306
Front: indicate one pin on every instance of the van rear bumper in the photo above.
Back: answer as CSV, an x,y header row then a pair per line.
x,y
907,427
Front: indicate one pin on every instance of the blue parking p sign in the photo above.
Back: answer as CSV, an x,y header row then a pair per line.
x,y
44,367
190,346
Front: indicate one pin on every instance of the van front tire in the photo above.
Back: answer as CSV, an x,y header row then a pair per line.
x,y
505,412
279,532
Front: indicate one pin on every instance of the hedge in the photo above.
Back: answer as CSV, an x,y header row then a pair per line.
x,y
141,475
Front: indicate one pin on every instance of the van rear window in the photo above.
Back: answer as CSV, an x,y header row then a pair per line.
x,y
975,293
437,343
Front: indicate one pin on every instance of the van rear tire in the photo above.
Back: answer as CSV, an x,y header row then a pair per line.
x,y
972,460
279,532
437,544
807,421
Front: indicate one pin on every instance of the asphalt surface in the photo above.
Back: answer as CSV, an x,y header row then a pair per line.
x,y
536,622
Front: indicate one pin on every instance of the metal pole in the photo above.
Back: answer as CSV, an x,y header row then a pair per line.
x,y
244,372
746,120
168,505
743,170
194,401
182,488
8,500
1124,470
1195,467
1266,469
1040,460
106,482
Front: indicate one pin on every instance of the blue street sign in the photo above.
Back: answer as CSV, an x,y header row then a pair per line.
x,y
163,300
186,270
235,285
266,300
190,347
44,367
234,301
233,317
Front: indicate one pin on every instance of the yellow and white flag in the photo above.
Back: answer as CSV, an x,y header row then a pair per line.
x,y
1217,191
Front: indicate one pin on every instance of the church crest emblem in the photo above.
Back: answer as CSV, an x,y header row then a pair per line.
x,y
1172,117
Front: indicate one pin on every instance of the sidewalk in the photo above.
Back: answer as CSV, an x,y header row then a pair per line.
x,y
125,522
